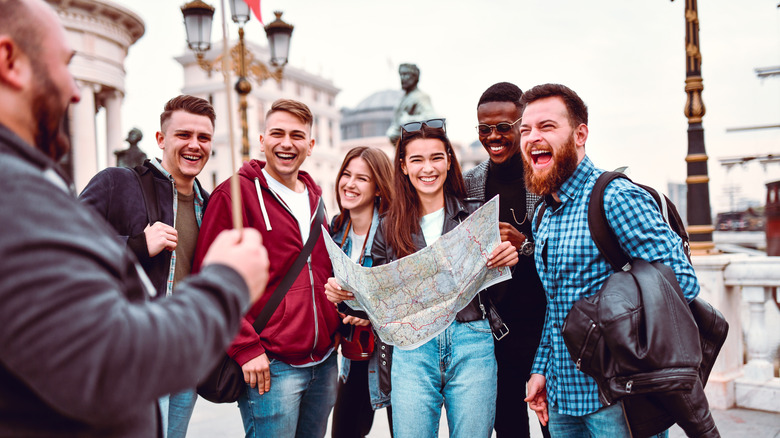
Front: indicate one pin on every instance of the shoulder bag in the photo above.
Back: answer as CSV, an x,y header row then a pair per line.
x,y
225,383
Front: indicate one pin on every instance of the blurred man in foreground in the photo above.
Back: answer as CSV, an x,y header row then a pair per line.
x,y
82,350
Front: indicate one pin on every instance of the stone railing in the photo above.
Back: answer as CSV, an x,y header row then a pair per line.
x,y
744,289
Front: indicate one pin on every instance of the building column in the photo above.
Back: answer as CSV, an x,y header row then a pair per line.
x,y
84,137
113,105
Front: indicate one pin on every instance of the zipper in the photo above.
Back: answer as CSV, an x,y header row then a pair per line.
x,y
314,306
653,380
482,307
585,345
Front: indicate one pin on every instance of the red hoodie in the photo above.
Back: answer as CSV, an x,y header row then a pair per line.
x,y
303,327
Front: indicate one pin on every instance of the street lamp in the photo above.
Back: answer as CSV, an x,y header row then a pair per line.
x,y
699,213
198,17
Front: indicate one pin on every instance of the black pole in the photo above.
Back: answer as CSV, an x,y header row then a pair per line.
x,y
699,214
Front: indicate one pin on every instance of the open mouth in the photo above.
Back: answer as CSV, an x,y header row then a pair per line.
x,y
351,195
541,157
285,156
191,158
496,148
428,179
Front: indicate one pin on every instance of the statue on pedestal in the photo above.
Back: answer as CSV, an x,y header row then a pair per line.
x,y
133,155
414,106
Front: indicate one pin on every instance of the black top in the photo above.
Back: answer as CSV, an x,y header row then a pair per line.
x,y
521,300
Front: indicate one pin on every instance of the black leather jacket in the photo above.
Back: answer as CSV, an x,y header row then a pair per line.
x,y
642,344
455,210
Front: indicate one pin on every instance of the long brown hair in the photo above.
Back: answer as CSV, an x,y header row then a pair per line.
x,y
403,218
381,174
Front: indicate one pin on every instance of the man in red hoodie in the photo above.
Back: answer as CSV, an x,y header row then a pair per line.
x,y
290,367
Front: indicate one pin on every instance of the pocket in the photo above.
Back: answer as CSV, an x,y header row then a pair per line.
x,y
479,326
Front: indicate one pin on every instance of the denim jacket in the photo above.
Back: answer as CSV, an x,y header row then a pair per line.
x,y
378,398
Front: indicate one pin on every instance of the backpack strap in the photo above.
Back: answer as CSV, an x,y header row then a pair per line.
x,y
289,278
603,235
146,181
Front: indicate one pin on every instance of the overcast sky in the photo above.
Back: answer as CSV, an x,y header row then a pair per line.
x,y
626,59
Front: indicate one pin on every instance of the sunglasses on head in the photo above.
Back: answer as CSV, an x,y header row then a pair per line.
x,y
417,126
501,128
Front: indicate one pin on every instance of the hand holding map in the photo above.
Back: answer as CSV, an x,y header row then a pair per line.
x,y
413,299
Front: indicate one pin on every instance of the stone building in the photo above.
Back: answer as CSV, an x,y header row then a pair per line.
x,y
101,33
316,92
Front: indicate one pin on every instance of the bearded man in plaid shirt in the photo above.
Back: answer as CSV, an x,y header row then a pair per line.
x,y
553,134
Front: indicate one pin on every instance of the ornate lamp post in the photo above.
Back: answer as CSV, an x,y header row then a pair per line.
x,y
699,215
198,17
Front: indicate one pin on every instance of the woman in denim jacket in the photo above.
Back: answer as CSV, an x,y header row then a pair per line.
x,y
363,192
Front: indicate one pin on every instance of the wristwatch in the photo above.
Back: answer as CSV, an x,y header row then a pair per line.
x,y
527,248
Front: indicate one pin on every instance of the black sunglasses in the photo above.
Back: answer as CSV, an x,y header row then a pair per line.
x,y
416,126
501,128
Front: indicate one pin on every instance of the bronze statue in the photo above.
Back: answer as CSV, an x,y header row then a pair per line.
x,y
414,106
133,155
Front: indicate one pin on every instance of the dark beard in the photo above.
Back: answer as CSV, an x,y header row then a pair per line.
x,y
50,138
564,167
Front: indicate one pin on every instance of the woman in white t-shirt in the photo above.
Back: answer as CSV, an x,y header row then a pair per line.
x,y
457,368
363,192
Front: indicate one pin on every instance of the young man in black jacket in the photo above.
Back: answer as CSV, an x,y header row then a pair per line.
x,y
83,352
164,245
520,301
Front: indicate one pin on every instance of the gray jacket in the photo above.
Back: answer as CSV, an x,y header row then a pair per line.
x,y
83,352
476,179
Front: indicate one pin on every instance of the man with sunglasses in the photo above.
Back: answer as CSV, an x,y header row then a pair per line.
x,y
520,301
415,105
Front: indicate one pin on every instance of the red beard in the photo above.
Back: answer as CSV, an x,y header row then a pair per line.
x,y
550,180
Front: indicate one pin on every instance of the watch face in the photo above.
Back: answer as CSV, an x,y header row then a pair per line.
x,y
527,248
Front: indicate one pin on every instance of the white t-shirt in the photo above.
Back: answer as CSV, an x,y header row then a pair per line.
x,y
432,224
357,245
297,202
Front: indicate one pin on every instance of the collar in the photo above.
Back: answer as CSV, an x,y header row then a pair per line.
x,y
510,170
573,186
11,143
157,163
454,207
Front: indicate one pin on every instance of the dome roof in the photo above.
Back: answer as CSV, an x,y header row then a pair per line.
x,y
385,99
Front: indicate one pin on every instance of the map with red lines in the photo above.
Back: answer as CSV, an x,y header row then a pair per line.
x,y
413,299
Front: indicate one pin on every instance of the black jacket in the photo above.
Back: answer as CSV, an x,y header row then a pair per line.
x,y
455,211
639,340
116,196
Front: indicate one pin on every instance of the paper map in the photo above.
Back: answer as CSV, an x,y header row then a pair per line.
x,y
411,300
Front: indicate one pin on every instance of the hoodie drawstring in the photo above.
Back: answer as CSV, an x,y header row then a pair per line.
x,y
262,204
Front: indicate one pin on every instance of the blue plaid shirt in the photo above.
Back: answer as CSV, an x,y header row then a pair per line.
x,y
571,267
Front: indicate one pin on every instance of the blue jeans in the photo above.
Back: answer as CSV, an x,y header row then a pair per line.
x,y
458,369
608,421
298,404
176,410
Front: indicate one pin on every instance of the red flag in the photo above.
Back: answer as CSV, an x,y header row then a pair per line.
x,y
254,5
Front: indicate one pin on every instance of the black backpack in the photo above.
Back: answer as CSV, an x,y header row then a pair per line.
x,y
603,235
645,413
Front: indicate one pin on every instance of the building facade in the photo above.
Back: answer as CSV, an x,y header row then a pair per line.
x,y
101,33
316,92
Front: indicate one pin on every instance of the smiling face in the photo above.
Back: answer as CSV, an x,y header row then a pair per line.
x,y
501,147
186,145
551,147
286,144
426,164
357,188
